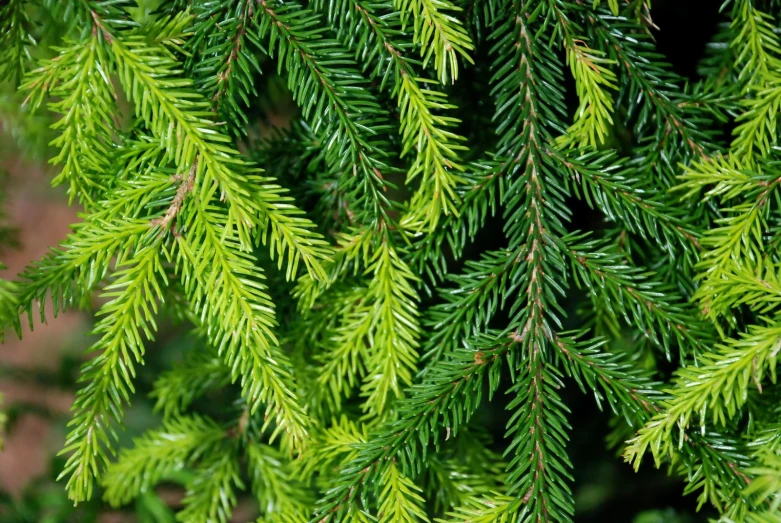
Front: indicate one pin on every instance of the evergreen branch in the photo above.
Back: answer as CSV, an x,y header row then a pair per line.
x,y
344,358
629,392
354,119
109,375
178,118
717,465
441,36
736,244
477,296
15,41
272,483
352,247
738,237
525,78
392,355
755,133
539,471
722,177
182,440
635,294
424,131
739,234
389,312
624,199
226,76
290,235
651,85
458,476
400,499
436,162
225,288
213,164
9,306
447,397
533,200
175,390
757,286
211,495
485,509
593,79
757,45
113,234
331,446
78,75
87,126
760,52
718,386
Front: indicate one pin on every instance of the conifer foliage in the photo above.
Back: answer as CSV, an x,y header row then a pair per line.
x,y
362,284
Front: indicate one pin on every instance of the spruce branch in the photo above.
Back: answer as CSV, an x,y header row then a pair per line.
x,y
441,37
636,295
539,470
717,389
211,494
756,43
272,482
224,286
79,76
127,317
343,360
455,237
593,80
629,392
331,446
179,119
648,84
104,240
608,185
430,405
400,498
393,355
221,32
478,294
176,389
423,128
354,120
484,509
185,186
181,440
15,41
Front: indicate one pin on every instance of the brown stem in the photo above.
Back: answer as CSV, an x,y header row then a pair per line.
x,y
164,222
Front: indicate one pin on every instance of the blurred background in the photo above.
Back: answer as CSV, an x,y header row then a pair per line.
x,y
37,373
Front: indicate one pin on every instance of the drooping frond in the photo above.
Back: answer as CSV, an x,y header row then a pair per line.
x,y
158,453
712,393
441,37
539,471
176,389
226,290
15,40
128,318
